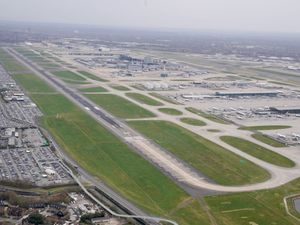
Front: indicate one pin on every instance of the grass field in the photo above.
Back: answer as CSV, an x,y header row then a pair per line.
x,y
104,156
119,87
10,64
93,89
213,130
267,127
119,106
170,111
68,76
267,140
39,59
164,98
144,99
207,116
49,65
92,76
75,82
254,208
258,151
32,83
214,161
192,121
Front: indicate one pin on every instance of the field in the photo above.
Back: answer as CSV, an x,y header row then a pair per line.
x,y
267,140
104,156
144,99
170,111
214,161
119,106
32,83
192,121
268,127
38,58
252,208
164,98
10,64
258,151
93,89
213,130
91,76
207,116
119,87
278,75
68,75
75,81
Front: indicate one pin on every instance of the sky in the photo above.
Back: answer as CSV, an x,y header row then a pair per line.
x,y
228,15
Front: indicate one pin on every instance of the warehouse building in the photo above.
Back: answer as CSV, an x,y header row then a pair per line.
x,y
283,110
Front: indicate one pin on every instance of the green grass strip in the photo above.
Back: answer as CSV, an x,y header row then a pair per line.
x,y
192,121
266,127
119,106
258,151
267,140
170,111
144,99
219,164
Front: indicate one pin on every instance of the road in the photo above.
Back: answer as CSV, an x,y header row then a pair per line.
x,y
161,158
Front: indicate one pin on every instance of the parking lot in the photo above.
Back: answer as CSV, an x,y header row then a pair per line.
x,y
25,154
39,166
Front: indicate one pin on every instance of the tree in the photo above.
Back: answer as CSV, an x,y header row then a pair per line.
x,y
36,218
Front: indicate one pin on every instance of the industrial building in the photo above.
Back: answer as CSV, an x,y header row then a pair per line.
x,y
248,94
283,110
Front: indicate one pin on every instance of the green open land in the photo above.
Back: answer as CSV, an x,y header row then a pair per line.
x,y
254,208
207,116
49,65
93,89
266,127
104,156
277,75
170,111
92,76
119,87
144,99
219,164
258,151
68,75
267,140
38,58
75,81
10,64
164,98
192,121
119,106
213,130
32,83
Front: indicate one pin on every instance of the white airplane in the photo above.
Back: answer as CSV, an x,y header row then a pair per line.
x,y
281,135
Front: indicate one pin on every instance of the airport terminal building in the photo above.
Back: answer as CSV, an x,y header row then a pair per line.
x,y
283,110
247,94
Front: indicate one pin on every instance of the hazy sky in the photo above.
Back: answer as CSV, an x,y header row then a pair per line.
x,y
248,15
